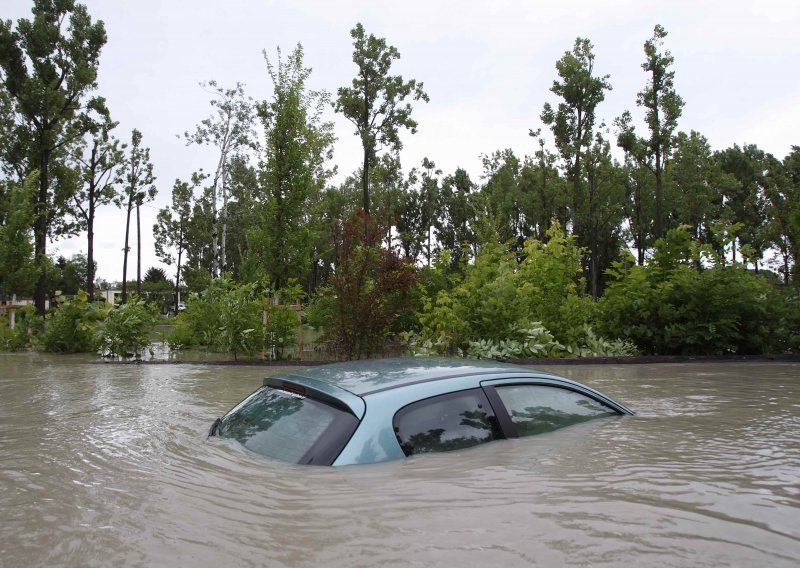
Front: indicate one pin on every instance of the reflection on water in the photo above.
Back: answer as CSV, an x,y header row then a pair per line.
x,y
109,465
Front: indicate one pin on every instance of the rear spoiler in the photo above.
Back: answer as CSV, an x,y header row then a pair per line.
x,y
321,391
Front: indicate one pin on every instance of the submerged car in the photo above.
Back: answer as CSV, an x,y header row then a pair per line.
x,y
378,410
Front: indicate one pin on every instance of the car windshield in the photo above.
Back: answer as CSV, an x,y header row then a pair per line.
x,y
288,426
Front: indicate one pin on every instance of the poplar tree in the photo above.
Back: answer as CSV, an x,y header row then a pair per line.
x,y
139,188
572,121
230,130
98,158
663,107
293,169
173,225
375,101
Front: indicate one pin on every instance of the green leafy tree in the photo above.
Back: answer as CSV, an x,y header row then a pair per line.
x,y
375,101
230,130
138,189
601,211
745,200
544,196
640,206
573,121
502,196
18,273
387,186
697,186
663,107
172,228
48,67
293,170
98,158
69,276
783,212
453,224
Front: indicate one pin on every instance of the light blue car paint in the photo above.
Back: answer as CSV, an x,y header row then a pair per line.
x,y
374,390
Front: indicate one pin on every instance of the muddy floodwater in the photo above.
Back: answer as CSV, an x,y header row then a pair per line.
x,y
109,465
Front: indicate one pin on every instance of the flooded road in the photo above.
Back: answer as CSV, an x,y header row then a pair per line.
x,y
109,465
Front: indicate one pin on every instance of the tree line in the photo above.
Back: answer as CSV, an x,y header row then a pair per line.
x,y
267,211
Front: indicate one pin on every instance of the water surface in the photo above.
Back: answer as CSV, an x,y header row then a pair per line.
x,y
109,465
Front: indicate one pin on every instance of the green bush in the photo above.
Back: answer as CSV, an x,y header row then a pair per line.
x,y
501,299
240,323
126,332
224,317
671,307
72,326
18,338
281,321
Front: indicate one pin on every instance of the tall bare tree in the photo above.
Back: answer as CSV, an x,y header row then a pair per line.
x,y
230,130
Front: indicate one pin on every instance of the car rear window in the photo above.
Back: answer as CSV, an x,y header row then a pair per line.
x,y
289,426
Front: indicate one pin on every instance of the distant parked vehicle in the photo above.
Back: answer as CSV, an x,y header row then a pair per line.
x,y
378,410
181,307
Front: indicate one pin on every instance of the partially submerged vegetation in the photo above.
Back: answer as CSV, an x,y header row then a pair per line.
x,y
505,305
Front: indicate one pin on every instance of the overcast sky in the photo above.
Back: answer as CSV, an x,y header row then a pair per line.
x,y
487,67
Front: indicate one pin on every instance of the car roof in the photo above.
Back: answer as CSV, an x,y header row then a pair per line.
x,y
372,375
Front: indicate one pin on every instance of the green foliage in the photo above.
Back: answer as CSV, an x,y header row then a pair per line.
x,y
530,342
670,307
72,326
224,317
240,321
18,338
17,270
281,321
197,325
48,67
375,103
292,172
126,331
506,308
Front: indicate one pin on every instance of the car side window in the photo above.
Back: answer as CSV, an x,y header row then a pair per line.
x,y
535,409
448,422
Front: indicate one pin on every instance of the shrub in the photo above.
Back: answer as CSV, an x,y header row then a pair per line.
x,y
72,326
671,307
127,328
281,321
223,317
371,288
499,296
240,321
18,338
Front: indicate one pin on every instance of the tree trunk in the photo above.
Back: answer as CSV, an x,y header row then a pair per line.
x,y
40,231
90,247
178,274
365,180
138,253
125,253
223,243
